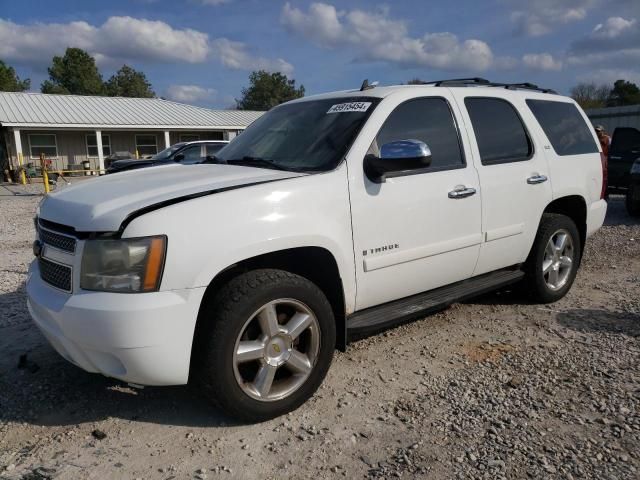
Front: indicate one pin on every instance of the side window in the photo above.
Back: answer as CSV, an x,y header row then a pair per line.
x,y
564,126
500,134
429,120
191,154
212,150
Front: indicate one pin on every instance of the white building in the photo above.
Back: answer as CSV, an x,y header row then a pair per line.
x,y
70,129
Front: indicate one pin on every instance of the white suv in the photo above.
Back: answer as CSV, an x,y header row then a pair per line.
x,y
331,216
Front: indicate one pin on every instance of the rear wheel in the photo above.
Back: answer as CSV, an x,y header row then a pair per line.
x,y
267,344
632,200
553,262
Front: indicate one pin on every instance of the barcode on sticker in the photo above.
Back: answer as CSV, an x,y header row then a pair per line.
x,y
349,107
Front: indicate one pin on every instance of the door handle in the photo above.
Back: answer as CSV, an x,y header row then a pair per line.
x,y
461,192
615,157
536,179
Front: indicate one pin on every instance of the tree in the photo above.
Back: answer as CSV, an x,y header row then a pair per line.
x,y
624,93
9,80
74,73
415,81
266,90
590,95
128,82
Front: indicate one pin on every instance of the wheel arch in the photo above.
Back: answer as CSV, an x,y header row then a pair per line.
x,y
316,264
574,207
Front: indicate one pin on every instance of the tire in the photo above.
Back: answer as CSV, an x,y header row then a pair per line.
x,y
547,287
632,200
237,316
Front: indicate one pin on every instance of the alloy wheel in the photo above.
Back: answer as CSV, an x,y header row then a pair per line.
x,y
276,350
558,260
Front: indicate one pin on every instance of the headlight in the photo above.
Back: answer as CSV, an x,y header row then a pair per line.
x,y
635,168
128,265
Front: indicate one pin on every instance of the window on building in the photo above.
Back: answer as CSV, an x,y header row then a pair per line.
x,y
92,145
146,145
43,143
500,134
429,120
564,126
189,138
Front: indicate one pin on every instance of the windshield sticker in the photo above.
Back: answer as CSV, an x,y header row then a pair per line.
x,y
349,107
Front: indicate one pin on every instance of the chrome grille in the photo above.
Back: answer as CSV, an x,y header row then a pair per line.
x,y
61,242
55,274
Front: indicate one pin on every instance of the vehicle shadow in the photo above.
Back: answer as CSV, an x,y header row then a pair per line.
x,y
617,212
39,387
590,321
511,295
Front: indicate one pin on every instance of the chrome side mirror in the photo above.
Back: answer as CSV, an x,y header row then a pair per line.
x,y
399,158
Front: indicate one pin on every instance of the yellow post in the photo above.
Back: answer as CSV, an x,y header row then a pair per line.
x,y
45,175
45,179
23,176
137,156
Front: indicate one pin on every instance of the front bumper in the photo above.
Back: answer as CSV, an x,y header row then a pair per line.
x,y
140,338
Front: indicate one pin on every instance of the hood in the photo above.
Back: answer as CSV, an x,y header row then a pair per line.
x,y
101,204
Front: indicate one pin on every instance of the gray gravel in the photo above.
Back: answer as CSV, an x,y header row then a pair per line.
x,y
493,388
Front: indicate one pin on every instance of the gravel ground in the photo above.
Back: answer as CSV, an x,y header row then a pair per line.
x,y
493,388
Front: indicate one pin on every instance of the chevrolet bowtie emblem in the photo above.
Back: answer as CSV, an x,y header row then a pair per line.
x,y
276,348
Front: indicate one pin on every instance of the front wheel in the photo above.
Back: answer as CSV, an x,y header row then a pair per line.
x,y
266,345
553,262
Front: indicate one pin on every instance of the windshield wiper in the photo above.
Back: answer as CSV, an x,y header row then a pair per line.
x,y
259,162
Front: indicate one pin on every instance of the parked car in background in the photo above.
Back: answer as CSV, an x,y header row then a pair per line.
x,y
624,151
633,190
330,217
186,153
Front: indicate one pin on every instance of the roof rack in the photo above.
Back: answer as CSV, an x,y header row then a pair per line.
x,y
484,82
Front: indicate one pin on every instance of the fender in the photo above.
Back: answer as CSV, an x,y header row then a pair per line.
x,y
209,233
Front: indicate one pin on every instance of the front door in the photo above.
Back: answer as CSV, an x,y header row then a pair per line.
x,y
414,233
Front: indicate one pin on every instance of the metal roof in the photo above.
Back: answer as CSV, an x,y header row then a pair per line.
x,y
40,110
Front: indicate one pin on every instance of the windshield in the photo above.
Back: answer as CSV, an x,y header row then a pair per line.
x,y
167,152
303,136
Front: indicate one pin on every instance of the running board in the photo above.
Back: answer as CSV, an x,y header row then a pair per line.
x,y
366,322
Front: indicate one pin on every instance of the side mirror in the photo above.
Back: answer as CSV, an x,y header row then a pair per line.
x,y
399,158
179,157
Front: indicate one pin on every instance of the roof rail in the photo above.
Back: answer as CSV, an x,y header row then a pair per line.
x,y
487,83
465,81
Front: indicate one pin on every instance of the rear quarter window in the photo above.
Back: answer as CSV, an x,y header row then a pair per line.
x,y
565,128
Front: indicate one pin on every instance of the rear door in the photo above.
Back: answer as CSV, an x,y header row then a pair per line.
x,y
514,177
624,150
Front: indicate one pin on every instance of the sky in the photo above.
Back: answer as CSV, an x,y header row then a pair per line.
x,y
202,51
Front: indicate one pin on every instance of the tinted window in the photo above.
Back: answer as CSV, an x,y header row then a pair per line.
x,y
191,154
565,128
213,149
499,131
426,119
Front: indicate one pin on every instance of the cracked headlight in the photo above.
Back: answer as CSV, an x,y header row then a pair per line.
x,y
128,265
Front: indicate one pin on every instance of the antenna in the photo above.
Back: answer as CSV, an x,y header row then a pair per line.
x,y
367,86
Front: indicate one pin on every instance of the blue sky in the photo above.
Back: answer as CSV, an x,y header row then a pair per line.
x,y
201,51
